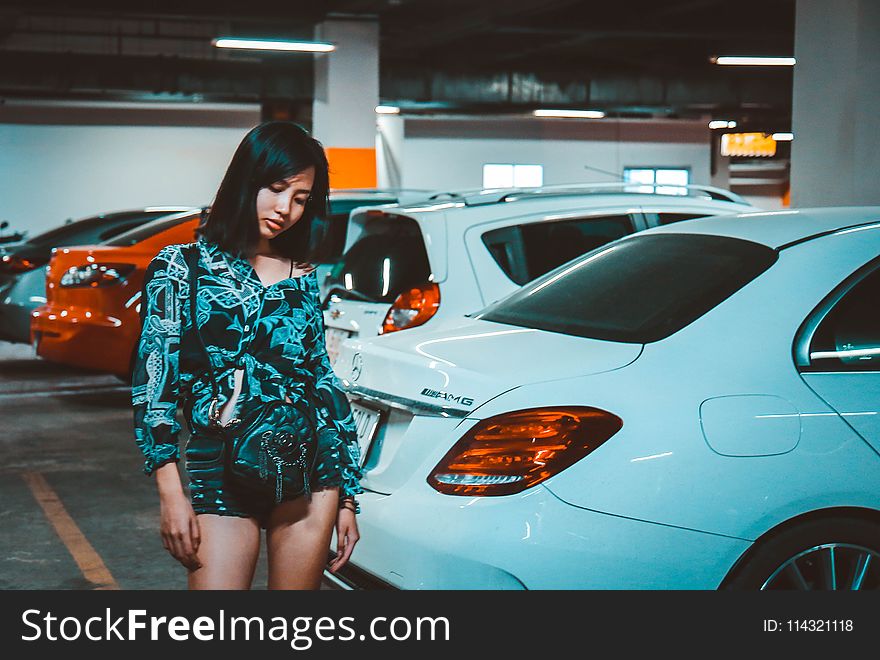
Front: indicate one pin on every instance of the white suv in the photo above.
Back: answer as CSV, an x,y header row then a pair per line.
x,y
404,266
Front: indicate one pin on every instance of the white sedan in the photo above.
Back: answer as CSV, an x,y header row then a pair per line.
x,y
692,407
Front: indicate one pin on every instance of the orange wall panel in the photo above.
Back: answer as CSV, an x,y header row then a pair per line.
x,y
352,168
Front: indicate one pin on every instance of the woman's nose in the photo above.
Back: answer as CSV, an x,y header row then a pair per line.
x,y
282,204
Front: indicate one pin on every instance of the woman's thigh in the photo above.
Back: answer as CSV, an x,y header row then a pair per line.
x,y
298,539
228,552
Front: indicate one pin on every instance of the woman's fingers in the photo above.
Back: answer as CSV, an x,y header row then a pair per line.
x,y
181,535
188,558
347,537
180,544
195,533
341,538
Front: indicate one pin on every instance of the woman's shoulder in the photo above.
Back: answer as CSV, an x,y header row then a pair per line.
x,y
309,277
171,259
172,252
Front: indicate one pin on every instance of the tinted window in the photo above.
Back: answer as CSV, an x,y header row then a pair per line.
x,y
640,289
669,218
110,232
339,212
148,230
388,258
848,339
527,251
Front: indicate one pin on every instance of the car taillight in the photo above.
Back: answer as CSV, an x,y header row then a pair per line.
x,y
95,275
413,307
508,453
13,264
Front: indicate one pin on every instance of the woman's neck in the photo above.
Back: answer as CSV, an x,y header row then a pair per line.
x,y
263,249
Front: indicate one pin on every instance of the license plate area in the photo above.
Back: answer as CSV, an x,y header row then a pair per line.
x,y
333,338
366,422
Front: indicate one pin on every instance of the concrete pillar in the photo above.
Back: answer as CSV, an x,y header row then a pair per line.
x,y
719,167
835,158
346,96
389,150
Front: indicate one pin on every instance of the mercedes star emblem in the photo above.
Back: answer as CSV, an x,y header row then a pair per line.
x,y
357,365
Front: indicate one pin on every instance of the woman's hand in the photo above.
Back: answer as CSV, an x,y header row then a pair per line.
x,y
346,537
179,525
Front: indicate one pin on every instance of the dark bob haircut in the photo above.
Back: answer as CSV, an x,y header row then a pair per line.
x,y
271,152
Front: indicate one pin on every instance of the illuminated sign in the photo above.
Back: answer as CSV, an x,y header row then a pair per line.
x,y
747,144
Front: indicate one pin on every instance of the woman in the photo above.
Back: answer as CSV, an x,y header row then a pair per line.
x,y
259,319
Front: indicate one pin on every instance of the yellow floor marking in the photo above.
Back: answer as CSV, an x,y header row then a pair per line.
x,y
83,553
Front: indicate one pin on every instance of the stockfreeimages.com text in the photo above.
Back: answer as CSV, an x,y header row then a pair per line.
x,y
301,632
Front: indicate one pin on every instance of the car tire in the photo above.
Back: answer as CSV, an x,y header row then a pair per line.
x,y
820,554
127,378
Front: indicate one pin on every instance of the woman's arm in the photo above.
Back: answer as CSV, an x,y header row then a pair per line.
x,y
156,375
155,396
338,434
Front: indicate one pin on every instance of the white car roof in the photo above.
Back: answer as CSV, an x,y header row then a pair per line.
x,y
777,228
456,209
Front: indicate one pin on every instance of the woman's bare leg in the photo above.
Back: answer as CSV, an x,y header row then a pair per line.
x,y
298,539
228,552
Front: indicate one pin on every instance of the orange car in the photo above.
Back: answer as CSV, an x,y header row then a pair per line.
x,y
91,316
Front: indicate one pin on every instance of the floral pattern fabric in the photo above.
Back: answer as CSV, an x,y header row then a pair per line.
x,y
274,334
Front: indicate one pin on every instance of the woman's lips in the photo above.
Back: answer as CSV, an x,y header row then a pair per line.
x,y
274,225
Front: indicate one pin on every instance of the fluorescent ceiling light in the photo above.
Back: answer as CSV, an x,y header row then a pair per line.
x,y
754,61
576,114
783,137
274,44
721,123
387,110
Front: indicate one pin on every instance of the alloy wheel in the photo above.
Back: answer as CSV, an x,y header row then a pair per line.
x,y
828,567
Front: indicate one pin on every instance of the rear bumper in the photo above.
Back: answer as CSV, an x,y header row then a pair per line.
x,y
420,539
80,338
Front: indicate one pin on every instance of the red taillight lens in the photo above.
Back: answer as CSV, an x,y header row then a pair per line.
x,y
95,275
413,307
508,453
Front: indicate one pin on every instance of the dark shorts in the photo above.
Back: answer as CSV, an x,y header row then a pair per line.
x,y
212,492
209,487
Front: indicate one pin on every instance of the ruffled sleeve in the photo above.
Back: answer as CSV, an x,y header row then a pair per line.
x,y
338,461
156,373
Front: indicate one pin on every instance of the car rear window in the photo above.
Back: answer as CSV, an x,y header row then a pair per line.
x,y
638,290
527,251
95,229
148,230
388,258
338,218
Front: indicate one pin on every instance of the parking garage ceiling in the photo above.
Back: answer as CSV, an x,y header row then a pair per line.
x,y
639,58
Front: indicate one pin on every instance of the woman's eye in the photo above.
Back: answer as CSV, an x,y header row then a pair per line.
x,y
276,189
302,202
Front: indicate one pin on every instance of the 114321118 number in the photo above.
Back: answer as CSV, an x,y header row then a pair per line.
x,y
808,625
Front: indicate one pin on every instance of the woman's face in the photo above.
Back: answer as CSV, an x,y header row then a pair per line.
x,y
281,205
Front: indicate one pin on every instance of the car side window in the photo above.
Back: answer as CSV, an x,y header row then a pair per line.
x,y
107,234
527,251
848,338
669,218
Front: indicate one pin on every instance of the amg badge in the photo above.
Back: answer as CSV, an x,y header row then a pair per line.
x,y
463,400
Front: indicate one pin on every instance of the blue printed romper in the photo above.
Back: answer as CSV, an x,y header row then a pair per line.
x,y
286,353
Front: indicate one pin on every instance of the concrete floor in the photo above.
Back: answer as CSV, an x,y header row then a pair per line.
x,y
67,441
